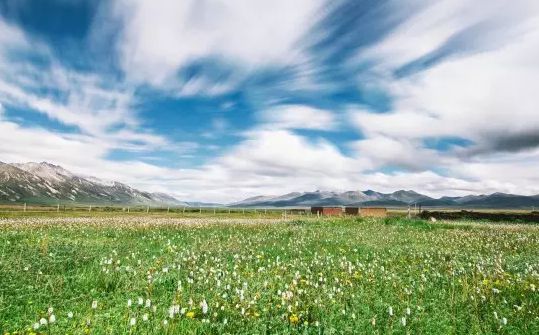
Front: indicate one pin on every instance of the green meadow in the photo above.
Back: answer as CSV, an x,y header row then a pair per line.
x,y
136,274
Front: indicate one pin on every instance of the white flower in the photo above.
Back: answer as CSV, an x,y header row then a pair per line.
x,y
50,310
204,306
140,301
390,311
408,311
403,321
145,317
373,322
42,321
132,322
504,321
129,302
148,303
94,304
70,315
52,318
36,325
165,322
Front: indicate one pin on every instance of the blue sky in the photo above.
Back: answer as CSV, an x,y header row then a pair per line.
x,y
220,100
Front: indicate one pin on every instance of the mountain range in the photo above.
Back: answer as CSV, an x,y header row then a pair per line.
x,y
400,198
46,183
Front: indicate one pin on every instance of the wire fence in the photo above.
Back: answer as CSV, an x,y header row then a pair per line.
x,y
187,210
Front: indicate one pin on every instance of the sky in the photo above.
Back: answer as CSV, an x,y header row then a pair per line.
x,y
212,100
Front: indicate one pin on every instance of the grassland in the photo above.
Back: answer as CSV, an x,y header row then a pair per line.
x,y
158,274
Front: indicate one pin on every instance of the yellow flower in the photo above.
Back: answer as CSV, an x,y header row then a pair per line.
x,y
190,314
294,319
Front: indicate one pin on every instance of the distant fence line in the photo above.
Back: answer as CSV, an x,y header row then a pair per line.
x,y
149,209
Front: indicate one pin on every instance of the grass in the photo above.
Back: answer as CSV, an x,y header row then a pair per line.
x,y
260,276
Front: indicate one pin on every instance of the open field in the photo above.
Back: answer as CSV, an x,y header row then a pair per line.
x,y
158,274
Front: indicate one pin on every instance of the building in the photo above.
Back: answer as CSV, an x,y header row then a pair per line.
x,y
328,211
351,210
377,212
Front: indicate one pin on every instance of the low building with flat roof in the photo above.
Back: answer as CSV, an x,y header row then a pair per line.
x,y
351,210
329,211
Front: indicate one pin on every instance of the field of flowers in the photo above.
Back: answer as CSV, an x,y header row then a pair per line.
x,y
159,275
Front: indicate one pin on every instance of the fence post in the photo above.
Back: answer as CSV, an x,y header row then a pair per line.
x,y
168,209
25,206
200,209
90,208
147,209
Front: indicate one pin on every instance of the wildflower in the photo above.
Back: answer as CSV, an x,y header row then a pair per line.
x,y
140,301
129,303
36,326
52,318
94,304
190,314
70,315
43,321
148,303
390,311
373,322
294,319
145,317
165,322
50,310
408,311
132,322
204,306
403,321
504,321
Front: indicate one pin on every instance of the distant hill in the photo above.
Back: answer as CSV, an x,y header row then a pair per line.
x,y
401,198
45,183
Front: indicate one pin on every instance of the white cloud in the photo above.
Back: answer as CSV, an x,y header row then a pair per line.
x,y
297,117
478,94
159,37
484,93
97,106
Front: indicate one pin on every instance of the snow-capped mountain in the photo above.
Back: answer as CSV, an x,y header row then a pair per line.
x,y
48,183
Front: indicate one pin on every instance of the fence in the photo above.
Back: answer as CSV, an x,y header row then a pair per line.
x,y
187,210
